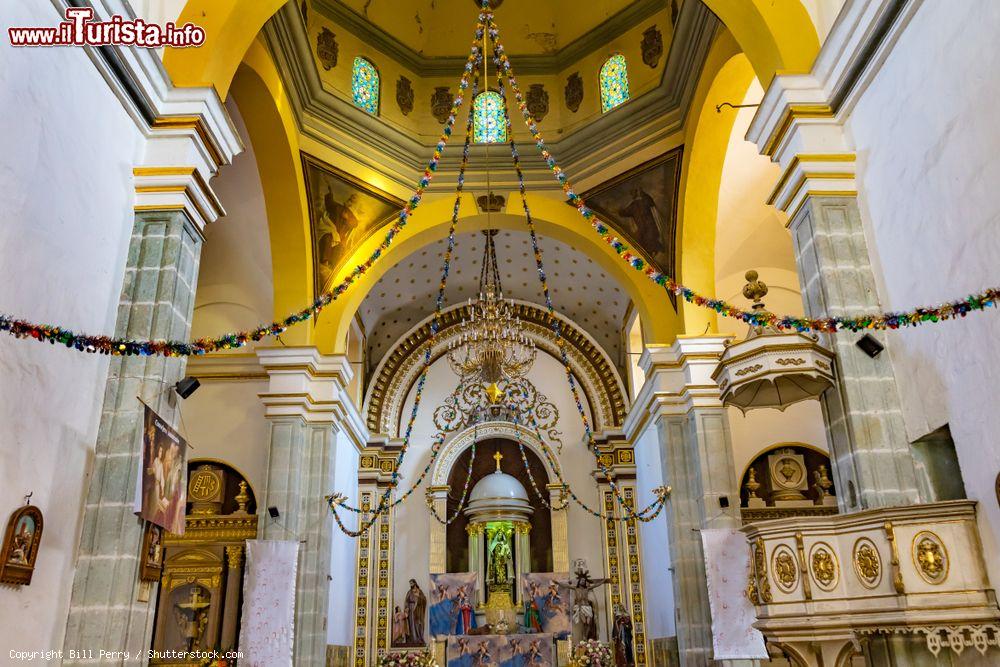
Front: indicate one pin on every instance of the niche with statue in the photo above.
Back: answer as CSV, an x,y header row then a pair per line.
x,y
789,479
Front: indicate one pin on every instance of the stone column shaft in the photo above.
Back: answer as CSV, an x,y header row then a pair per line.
x,y
157,301
872,461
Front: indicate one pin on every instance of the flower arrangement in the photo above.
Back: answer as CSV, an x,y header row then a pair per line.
x,y
592,653
407,659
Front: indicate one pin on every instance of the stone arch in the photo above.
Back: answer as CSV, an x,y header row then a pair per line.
x,y
602,386
457,444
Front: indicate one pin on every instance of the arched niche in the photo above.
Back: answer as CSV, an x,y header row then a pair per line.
x,y
596,375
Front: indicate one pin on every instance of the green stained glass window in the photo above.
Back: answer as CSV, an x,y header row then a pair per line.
x,y
489,121
614,82
365,85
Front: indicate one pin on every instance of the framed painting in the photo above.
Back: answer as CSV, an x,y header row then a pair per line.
x,y
151,556
343,212
20,546
641,204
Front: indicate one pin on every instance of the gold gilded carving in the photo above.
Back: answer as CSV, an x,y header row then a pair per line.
x,y
800,549
749,369
790,361
897,575
867,564
763,586
824,567
930,557
785,568
235,557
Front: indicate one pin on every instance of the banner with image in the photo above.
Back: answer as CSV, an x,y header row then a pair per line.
x,y
161,485
452,603
501,651
546,598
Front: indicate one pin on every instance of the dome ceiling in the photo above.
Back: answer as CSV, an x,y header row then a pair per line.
x,y
580,289
444,27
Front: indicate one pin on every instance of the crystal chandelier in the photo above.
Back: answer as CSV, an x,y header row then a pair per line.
x,y
491,346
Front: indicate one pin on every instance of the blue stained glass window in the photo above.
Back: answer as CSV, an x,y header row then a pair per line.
x,y
489,121
365,85
614,82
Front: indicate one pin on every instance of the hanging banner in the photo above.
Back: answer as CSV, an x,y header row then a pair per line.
x,y
161,485
727,565
453,597
267,627
546,602
536,650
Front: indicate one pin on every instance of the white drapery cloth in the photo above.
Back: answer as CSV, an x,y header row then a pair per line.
x,y
268,623
727,566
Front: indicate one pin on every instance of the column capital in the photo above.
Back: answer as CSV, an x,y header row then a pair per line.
x,y
182,188
304,383
678,379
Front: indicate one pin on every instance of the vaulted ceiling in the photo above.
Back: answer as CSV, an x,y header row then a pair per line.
x,y
442,27
580,289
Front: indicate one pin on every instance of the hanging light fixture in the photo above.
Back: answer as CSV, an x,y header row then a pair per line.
x,y
492,346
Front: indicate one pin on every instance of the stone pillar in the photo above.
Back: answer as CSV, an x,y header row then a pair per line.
x,y
696,453
157,301
871,456
475,532
438,496
522,549
308,408
872,462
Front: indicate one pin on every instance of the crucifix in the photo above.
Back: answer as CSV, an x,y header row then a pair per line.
x,y
498,457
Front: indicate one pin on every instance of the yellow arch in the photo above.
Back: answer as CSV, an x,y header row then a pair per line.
x,y
230,27
274,134
727,75
778,36
553,219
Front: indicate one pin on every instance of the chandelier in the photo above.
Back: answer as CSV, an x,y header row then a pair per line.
x,y
492,346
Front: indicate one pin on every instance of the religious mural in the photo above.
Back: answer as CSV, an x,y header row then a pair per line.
x,y
162,493
453,596
641,204
547,603
343,210
501,651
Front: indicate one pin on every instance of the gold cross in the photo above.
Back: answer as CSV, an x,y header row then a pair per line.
x,y
497,457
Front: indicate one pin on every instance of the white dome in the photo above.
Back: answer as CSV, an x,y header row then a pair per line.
x,y
498,486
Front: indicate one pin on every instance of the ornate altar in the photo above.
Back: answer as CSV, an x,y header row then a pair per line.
x,y
200,593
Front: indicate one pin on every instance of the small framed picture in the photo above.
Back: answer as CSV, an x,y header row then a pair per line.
x,y
20,546
151,557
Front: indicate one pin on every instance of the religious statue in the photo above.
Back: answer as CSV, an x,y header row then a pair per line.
x,y
466,619
416,607
500,559
621,635
532,616
192,617
399,627
583,602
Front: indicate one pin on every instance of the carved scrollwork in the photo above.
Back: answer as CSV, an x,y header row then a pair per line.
x,y
785,569
930,557
867,563
824,566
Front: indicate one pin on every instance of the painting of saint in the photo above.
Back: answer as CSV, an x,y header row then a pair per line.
x,y
641,206
163,494
20,545
453,596
343,211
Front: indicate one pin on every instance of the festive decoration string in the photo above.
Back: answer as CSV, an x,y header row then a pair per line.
x,y
880,321
338,500
465,489
555,325
101,344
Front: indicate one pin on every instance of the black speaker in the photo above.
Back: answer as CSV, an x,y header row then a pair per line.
x,y
187,386
870,345
273,512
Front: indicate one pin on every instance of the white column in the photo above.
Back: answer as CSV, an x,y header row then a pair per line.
x,y
308,407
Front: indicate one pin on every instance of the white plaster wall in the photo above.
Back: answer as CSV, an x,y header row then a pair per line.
x,y
66,200
235,281
759,430
413,519
225,420
928,143
343,558
657,572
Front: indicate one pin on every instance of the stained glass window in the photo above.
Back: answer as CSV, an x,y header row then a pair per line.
x,y
364,85
489,122
614,82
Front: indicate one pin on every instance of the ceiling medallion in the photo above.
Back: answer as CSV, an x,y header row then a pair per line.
x,y
327,49
652,46
574,91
